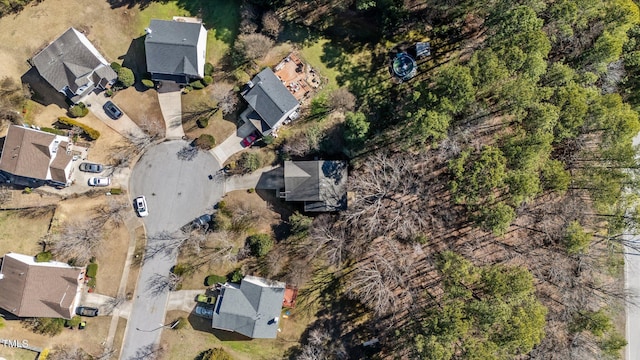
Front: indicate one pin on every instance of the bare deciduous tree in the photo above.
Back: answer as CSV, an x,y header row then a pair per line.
x,y
271,24
115,210
148,352
68,353
253,46
79,241
342,100
229,103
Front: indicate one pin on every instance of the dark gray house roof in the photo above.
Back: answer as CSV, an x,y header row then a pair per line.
x,y
321,184
269,99
172,50
251,309
71,64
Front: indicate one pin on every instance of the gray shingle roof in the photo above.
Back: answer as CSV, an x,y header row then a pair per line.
x,y
172,48
71,60
251,309
320,184
269,97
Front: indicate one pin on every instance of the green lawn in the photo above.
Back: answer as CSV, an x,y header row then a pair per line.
x,y
157,10
314,54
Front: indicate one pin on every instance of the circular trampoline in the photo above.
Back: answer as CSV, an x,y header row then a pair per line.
x,y
404,66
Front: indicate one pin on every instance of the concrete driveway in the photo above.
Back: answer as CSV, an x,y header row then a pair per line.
x,y
232,145
177,191
170,99
124,125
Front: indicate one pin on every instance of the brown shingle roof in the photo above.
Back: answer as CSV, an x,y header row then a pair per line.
x,y
26,153
29,289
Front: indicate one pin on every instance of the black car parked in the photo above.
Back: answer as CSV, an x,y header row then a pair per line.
x,y
112,110
86,311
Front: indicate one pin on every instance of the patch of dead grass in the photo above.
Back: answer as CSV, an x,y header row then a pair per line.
x,y
20,233
142,107
90,339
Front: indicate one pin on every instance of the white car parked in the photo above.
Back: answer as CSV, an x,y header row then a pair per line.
x,y
99,181
141,206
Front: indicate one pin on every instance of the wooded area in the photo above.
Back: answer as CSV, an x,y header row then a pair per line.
x,y
491,192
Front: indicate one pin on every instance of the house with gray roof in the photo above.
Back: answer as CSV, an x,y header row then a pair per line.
x,y
270,102
321,184
251,308
33,158
39,289
176,50
73,66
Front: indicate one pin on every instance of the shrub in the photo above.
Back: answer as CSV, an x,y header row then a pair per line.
x,y
47,326
54,131
207,80
78,110
91,133
214,279
73,322
299,223
260,244
202,122
235,276
268,139
222,205
221,222
27,190
115,66
44,256
251,190
205,141
92,270
148,83
249,162
116,191
197,85
182,269
1,322
214,354
109,93
126,77
208,69
92,283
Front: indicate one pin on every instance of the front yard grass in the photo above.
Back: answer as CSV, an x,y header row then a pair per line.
x,y
17,354
218,127
20,231
198,336
90,339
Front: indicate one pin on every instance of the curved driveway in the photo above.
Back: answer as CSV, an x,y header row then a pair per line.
x,y
177,192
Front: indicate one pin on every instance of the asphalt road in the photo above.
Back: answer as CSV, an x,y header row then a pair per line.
x,y
177,191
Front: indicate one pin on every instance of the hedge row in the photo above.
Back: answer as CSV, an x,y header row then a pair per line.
x,y
91,133
54,131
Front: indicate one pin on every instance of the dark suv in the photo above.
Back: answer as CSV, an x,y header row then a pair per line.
x,y
112,110
86,311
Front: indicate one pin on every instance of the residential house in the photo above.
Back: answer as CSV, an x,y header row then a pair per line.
x,y
175,50
39,289
320,184
251,308
33,158
73,66
270,102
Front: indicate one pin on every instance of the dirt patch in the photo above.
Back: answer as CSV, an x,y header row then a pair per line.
x,y
90,339
143,108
